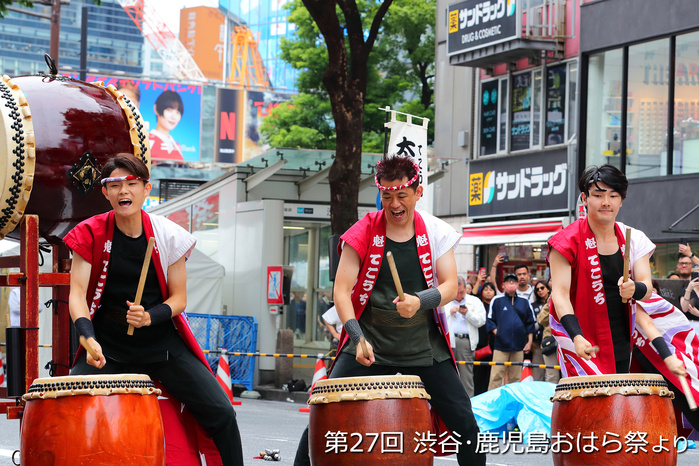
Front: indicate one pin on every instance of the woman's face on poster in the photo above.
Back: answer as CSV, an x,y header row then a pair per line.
x,y
170,118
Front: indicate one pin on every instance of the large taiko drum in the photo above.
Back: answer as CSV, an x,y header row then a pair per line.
x,y
56,133
369,420
92,420
618,419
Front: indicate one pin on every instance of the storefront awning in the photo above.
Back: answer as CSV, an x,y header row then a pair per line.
x,y
522,231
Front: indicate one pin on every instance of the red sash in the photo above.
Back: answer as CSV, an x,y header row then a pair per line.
x,y
577,244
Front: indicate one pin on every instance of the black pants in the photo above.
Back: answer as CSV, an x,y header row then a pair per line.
x,y
188,380
449,400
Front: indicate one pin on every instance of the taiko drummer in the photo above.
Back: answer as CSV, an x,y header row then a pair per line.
x,y
594,310
108,254
406,336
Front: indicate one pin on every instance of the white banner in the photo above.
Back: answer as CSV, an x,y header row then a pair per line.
x,y
410,140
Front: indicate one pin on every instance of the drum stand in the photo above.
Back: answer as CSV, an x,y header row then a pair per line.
x,y
29,279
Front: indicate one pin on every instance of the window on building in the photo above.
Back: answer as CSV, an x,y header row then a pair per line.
x,y
502,126
536,108
686,117
521,111
603,144
572,89
555,105
646,109
489,118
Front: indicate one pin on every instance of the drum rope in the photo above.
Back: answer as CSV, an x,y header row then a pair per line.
x,y
331,358
51,367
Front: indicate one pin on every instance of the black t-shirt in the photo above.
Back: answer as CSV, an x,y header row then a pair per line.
x,y
147,344
612,269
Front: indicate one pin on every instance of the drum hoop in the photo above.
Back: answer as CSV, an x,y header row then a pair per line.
x,y
367,389
101,385
139,138
612,384
22,145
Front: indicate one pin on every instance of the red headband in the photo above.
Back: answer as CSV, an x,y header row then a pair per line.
x,y
403,186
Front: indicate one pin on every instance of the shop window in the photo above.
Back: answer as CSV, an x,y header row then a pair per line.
x,y
489,118
603,144
521,127
502,125
298,253
572,98
686,118
646,110
555,105
536,109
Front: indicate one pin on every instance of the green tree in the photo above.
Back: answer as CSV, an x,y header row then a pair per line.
x,y
341,77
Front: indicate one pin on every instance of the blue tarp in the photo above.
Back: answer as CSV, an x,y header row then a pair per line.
x,y
528,404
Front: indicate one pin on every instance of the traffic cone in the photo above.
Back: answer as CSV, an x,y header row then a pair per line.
x,y
2,373
527,375
319,374
223,375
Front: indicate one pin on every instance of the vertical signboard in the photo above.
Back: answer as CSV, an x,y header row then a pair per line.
x,y
230,119
203,32
475,24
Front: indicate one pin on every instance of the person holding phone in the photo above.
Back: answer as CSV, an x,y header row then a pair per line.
x,y
464,316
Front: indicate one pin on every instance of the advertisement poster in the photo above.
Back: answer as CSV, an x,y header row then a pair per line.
x,y
171,111
521,111
555,105
489,117
475,24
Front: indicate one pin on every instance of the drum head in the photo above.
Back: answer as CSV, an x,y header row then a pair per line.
x,y
367,388
92,385
611,384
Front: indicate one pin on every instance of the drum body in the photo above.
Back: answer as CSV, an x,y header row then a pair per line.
x,y
612,419
56,134
92,420
381,418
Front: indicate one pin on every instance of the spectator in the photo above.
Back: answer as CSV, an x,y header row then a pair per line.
x,y
542,318
492,277
542,291
511,319
332,322
524,288
684,267
686,251
480,279
673,276
481,373
469,288
689,301
464,315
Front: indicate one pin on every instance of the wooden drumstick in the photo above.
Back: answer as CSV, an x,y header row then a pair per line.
x,y
627,248
142,280
688,394
592,349
88,348
362,342
396,278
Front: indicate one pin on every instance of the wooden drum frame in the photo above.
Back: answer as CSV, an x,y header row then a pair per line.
x,y
380,416
92,420
612,419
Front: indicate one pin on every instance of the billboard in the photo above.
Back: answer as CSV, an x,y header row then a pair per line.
x,y
203,33
475,24
239,115
519,185
172,113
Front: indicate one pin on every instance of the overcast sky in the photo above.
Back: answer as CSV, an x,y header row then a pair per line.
x,y
169,10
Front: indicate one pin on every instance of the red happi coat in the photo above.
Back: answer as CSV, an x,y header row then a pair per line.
x,y
91,240
578,245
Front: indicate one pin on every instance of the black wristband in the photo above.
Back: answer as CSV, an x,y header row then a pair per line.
x,y
429,298
661,347
160,313
640,291
353,330
84,327
571,325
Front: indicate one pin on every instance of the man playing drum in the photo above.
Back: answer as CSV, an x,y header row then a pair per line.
x,y
108,253
406,336
587,268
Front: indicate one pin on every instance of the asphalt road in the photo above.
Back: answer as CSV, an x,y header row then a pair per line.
x,y
278,425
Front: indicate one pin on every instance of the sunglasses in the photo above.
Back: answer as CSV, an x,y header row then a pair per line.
x,y
539,288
